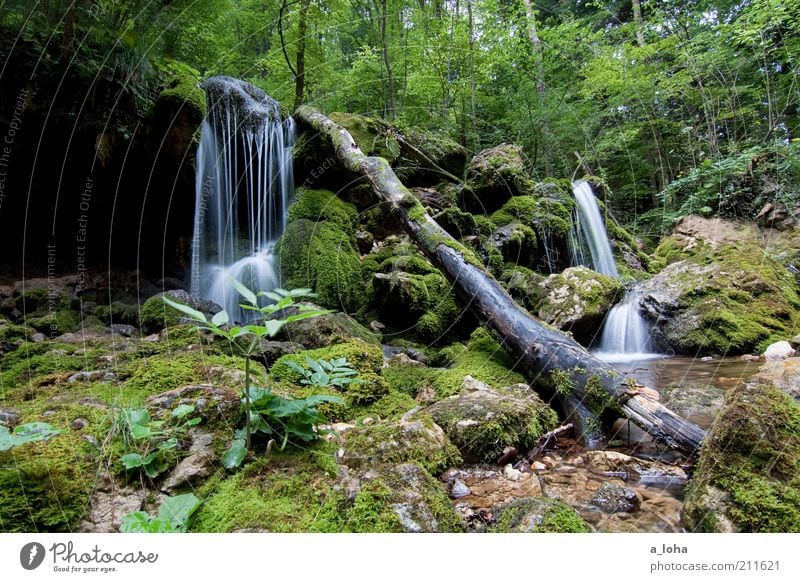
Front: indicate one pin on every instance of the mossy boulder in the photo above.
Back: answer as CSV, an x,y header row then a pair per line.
x,y
323,257
719,292
689,398
482,422
576,300
538,515
493,176
118,312
748,475
323,205
444,152
369,134
321,331
415,439
515,242
155,314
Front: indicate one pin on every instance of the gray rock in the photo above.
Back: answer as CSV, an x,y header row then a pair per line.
x,y
459,489
108,504
613,498
779,351
38,337
124,330
89,376
79,423
9,416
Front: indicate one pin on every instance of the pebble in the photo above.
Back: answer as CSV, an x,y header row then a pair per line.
x,y
566,469
511,473
79,423
538,467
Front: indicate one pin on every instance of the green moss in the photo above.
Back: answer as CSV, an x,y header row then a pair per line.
x,y
366,358
32,361
323,205
417,441
156,315
539,515
182,91
752,454
484,359
369,135
118,312
391,406
12,333
57,322
323,257
409,379
561,381
292,491
554,216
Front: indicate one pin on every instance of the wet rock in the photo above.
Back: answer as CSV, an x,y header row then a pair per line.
x,y
320,332
515,242
779,351
690,398
364,241
576,300
783,374
619,464
489,487
483,422
270,351
124,330
612,498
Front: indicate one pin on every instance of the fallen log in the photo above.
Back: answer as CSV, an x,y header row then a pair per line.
x,y
549,358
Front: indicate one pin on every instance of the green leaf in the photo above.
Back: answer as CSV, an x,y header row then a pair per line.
x,y
139,432
5,439
248,295
136,522
234,456
220,318
182,410
132,460
30,432
194,421
177,510
192,313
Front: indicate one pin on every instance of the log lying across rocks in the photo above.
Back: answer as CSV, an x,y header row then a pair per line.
x,y
547,356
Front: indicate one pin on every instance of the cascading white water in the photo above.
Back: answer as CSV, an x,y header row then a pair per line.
x,y
625,335
243,186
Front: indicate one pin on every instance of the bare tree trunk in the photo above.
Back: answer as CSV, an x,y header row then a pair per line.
x,y
473,115
637,20
541,87
390,97
586,384
300,77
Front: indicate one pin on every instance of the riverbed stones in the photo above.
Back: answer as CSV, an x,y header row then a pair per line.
x,y
613,498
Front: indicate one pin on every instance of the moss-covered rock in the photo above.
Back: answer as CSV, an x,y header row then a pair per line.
x,y
56,322
182,91
322,256
369,134
515,242
323,205
748,475
576,300
155,315
483,422
538,515
410,440
321,331
493,176
720,292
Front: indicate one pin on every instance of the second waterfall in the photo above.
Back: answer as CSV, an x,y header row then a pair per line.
x,y
244,183
625,335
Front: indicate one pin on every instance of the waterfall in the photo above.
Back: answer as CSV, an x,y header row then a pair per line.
x,y
626,334
243,185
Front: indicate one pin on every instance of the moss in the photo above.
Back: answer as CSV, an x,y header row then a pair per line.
x,y
182,92
323,257
33,361
561,381
57,322
539,515
369,135
409,379
319,205
391,406
483,359
554,216
366,358
12,334
752,454
416,441
156,315
292,491
118,312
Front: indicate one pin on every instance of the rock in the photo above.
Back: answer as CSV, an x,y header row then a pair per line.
x,y
364,241
433,198
612,498
124,330
401,498
538,467
190,471
795,342
538,515
79,424
92,376
38,337
483,422
689,398
320,332
414,439
512,474
377,326
783,374
459,489
719,292
515,242
403,360
493,176
576,300
509,454
619,464
489,488
270,351
214,404
108,504
155,315
779,351
746,478
9,417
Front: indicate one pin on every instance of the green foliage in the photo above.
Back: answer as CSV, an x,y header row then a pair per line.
x,y
324,373
173,516
155,442
26,433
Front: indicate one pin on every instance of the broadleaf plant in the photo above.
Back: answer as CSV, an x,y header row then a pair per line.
x,y
173,516
26,433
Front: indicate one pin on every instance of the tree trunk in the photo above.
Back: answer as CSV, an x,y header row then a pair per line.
x,y
547,356
637,21
300,77
541,87
390,96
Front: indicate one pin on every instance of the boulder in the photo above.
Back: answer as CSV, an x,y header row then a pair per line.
x,y
719,292
493,176
483,422
779,351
